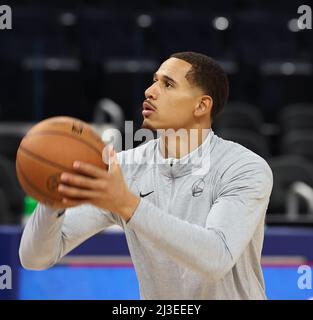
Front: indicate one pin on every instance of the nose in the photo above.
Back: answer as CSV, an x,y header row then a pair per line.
x,y
151,92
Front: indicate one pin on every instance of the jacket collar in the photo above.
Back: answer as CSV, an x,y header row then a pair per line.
x,y
197,162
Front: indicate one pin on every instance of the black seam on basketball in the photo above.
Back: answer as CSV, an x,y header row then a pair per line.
x,y
34,187
64,135
53,164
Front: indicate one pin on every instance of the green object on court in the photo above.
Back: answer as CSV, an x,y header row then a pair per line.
x,y
29,205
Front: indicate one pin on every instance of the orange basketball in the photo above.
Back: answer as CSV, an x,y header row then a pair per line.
x,y
50,148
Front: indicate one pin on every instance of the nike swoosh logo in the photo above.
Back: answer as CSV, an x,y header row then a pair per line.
x,y
146,194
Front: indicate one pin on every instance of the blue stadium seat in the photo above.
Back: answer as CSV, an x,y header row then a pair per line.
x,y
297,117
298,142
287,170
239,115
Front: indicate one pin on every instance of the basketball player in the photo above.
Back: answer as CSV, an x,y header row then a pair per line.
x,y
193,212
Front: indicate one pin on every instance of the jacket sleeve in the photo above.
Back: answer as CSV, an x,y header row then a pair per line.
x,y
50,234
212,249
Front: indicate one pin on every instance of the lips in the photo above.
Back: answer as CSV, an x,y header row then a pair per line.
x,y
148,109
148,106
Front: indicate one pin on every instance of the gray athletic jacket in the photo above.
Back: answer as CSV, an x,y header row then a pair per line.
x,y
197,232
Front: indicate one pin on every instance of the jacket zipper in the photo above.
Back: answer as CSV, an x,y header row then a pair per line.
x,y
172,188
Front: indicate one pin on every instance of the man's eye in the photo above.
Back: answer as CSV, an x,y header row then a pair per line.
x,y
168,84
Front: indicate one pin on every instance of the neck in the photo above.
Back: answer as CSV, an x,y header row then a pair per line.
x,y
177,144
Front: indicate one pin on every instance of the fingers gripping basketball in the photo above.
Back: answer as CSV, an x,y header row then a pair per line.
x,y
50,148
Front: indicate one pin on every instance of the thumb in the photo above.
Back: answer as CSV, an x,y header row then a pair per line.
x,y
113,162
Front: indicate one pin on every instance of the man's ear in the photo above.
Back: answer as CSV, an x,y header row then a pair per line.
x,y
204,106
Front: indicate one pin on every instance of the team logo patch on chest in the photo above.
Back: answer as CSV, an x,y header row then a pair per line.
x,y
198,187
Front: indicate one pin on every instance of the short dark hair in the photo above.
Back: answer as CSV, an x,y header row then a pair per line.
x,y
209,76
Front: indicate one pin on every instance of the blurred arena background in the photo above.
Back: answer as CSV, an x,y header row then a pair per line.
x,y
94,59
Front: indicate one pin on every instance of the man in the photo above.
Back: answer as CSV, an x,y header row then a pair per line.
x,y
192,209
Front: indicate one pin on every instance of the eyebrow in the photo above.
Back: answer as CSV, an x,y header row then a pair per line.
x,y
164,77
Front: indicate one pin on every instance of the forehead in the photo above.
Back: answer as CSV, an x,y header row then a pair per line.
x,y
175,69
